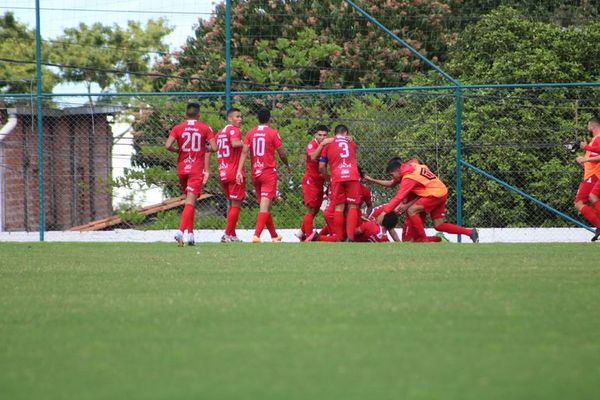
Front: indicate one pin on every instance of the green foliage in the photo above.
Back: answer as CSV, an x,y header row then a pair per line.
x,y
17,42
131,217
110,51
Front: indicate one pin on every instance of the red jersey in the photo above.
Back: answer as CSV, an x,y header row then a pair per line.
x,y
341,156
263,141
191,137
367,196
312,167
371,232
228,156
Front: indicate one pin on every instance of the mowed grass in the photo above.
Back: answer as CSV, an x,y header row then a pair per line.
x,y
346,321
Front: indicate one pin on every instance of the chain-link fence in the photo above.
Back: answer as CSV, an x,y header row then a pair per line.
x,y
109,159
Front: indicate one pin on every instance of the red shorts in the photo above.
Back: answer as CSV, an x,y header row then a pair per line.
x,y
347,191
191,183
313,192
434,206
265,185
589,186
233,191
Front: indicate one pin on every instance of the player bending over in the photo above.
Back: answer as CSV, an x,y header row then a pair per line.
x,y
418,179
193,164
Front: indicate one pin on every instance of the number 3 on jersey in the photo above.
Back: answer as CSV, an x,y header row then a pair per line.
x,y
345,150
224,150
258,146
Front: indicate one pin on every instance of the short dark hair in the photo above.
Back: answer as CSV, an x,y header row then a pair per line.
x,y
192,109
393,164
232,110
595,120
341,128
318,128
390,220
264,115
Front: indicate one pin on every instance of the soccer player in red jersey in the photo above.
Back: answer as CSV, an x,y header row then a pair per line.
x,y
370,231
229,143
589,189
312,181
261,143
193,164
340,154
418,179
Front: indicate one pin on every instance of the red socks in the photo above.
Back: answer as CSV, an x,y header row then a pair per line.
x,y
261,220
418,230
307,223
187,218
590,214
352,223
232,218
338,224
271,226
451,228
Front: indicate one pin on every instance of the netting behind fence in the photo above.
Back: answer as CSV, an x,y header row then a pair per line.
x,y
109,159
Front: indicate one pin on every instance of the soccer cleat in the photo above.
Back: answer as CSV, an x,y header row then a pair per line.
x,y
313,237
277,239
190,240
474,235
225,239
596,235
300,235
235,239
256,239
442,237
179,238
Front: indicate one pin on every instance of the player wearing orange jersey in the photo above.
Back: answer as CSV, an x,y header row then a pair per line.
x,y
588,194
417,178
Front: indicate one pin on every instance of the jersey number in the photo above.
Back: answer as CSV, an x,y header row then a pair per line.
x,y
193,141
427,173
345,153
258,146
224,149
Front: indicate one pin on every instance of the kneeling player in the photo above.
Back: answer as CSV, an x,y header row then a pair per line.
x,y
418,179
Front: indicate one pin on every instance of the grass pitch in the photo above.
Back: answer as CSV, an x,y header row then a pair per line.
x,y
346,321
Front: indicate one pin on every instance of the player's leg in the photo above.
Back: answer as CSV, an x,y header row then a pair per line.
x,y
594,196
417,223
581,199
194,187
269,189
354,198
236,194
338,196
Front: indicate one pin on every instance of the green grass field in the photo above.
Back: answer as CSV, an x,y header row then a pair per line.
x,y
346,321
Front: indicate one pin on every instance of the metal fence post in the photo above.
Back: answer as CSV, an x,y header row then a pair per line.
x,y
40,126
227,54
458,124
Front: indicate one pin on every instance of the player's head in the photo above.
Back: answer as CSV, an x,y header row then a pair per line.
x,y
594,126
393,167
264,116
390,221
192,110
320,132
341,130
234,117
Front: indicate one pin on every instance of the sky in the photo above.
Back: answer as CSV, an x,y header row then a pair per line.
x,y
56,15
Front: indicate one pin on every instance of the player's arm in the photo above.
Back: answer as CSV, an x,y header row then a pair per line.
x,y
402,207
386,183
582,159
239,177
283,158
317,153
595,148
237,143
394,235
206,171
212,144
406,186
170,144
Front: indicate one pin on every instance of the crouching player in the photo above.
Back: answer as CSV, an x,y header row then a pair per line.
x,y
418,179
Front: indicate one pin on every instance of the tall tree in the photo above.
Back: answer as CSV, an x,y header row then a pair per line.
x,y
17,58
110,56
